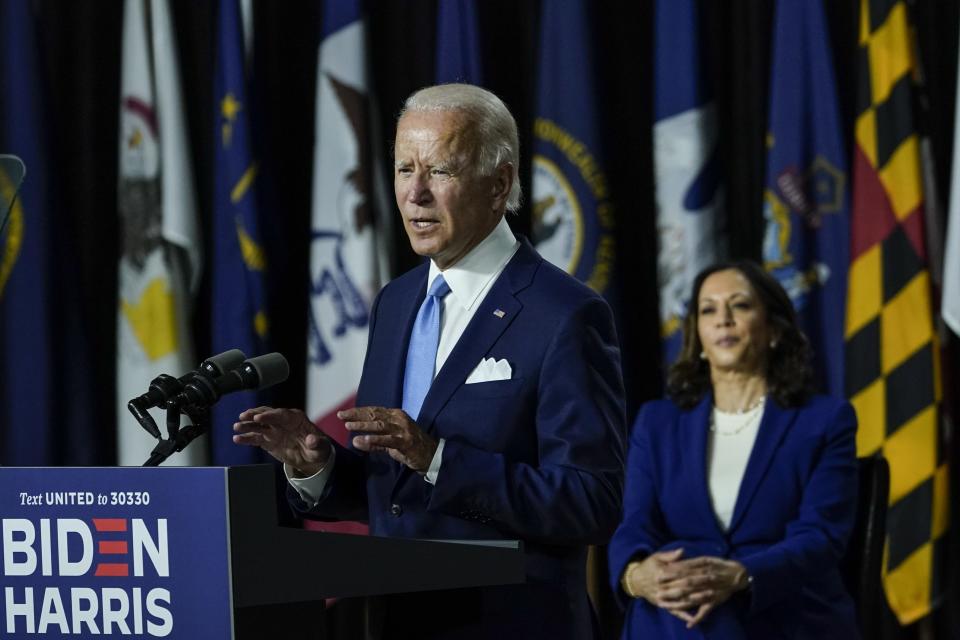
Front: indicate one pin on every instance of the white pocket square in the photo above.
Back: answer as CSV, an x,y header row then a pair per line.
x,y
490,370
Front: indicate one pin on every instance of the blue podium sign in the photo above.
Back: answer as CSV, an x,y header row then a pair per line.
x,y
136,552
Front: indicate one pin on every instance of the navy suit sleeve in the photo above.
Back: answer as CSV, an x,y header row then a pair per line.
x,y
572,495
816,539
643,530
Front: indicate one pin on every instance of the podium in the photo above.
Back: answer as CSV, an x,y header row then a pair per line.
x,y
197,553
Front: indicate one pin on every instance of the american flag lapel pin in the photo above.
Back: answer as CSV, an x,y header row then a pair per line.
x,y
499,313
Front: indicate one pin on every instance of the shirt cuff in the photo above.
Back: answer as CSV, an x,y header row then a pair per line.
x,y
311,488
434,469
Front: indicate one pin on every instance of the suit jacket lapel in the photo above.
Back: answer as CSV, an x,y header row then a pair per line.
x,y
774,425
694,425
481,333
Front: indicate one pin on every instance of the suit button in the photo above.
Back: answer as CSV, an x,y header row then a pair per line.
x,y
395,510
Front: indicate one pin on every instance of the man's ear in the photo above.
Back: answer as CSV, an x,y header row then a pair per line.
x,y
502,182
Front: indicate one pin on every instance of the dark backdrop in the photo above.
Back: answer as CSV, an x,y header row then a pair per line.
x,y
82,44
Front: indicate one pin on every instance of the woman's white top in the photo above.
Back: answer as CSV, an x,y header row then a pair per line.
x,y
729,444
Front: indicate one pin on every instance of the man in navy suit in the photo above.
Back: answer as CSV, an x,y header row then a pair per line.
x,y
491,401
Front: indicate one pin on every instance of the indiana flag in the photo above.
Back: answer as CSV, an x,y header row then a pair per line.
x,y
689,198
239,309
891,355
160,262
806,200
458,55
573,216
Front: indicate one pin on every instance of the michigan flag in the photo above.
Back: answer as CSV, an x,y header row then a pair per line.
x,y
239,309
160,262
458,45
573,216
689,214
805,200
891,355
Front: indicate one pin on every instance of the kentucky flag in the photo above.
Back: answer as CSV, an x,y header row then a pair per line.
x,y
239,309
573,216
806,197
30,294
689,214
458,45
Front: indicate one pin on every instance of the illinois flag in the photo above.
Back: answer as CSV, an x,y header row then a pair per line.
x,y
891,355
160,261
689,213
573,216
239,309
806,201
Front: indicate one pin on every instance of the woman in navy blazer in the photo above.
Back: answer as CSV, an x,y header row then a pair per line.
x,y
741,487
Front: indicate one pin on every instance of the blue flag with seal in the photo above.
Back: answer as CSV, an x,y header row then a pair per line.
x,y
806,204
573,216
458,56
239,308
688,190
45,371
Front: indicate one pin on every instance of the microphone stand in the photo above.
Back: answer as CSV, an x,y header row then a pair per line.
x,y
178,438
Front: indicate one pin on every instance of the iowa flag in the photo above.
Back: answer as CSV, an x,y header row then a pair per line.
x,y
344,265
891,356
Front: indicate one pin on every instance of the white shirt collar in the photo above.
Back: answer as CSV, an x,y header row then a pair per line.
x,y
470,275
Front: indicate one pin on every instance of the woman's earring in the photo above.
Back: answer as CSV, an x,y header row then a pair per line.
x,y
773,344
703,355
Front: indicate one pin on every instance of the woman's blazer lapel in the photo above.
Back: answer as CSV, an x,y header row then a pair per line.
x,y
693,428
774,425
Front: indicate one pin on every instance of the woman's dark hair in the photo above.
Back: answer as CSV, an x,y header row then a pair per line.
x,y
789,374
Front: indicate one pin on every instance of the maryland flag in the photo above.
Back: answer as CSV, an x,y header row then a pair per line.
x,y
891,356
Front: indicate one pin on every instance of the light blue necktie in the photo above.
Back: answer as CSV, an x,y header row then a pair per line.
x,y
422,352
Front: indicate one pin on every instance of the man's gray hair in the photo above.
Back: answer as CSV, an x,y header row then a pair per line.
x,y
495,126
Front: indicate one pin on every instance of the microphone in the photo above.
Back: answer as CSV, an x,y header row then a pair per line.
x,y
164,387
256,373
13,170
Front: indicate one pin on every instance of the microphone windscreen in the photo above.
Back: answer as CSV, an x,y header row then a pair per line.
x,y
271,369
216,366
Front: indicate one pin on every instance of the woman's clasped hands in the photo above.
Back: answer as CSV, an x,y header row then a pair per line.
x,y
687,588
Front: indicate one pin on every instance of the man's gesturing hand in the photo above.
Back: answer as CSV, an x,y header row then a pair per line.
x,y
390,430
287,435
